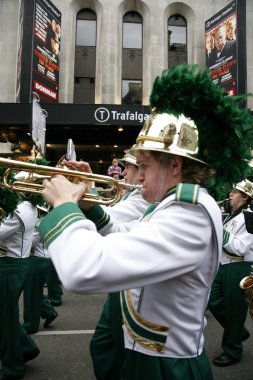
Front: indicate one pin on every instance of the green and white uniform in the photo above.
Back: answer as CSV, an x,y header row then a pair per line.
x,y
36,305
16,234
227,300
167,261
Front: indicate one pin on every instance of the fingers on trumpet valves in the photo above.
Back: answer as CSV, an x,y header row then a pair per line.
x,y
80,166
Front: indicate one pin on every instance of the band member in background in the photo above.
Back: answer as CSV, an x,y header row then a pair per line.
x,y
175,247
227,300
36,305
16,234
108,339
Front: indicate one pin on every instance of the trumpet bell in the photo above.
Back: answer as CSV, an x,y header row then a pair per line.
x,y
32,183
246,282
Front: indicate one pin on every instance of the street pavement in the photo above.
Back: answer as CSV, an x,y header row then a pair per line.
x,y
65,344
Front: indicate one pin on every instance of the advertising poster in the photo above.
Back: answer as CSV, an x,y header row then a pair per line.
x,y
46,51
221,43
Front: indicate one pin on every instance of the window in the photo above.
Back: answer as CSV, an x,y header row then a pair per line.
x,y
131,92
86,33
85,57
177,40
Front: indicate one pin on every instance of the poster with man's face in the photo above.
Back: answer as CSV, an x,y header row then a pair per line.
x,y
46,51
221,48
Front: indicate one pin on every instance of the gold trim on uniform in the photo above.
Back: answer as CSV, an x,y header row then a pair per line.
x,y
236,258
158,347
142,321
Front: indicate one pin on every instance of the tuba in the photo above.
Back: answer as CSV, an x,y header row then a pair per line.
x,y
247,284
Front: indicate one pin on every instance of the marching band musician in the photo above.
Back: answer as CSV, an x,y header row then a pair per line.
x,y
227,300
16,232
164,263
36,304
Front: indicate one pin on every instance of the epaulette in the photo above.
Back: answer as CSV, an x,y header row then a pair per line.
x,y
187,192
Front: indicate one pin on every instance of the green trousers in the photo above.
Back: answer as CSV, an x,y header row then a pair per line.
x,y
14,341
228,305
139,366
112,362
54,287
107,344
36,305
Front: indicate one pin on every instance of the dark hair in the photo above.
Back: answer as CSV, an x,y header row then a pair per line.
x,y
196,172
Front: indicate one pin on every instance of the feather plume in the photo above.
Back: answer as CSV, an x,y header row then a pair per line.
x,y
225,129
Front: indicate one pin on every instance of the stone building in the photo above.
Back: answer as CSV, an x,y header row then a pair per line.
x,y
110,53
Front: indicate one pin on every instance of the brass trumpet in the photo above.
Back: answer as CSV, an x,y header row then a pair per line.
x,y
223,200
37,173
129,186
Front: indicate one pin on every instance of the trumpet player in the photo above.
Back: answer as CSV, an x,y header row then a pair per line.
x,y
227,300
163,263
108,339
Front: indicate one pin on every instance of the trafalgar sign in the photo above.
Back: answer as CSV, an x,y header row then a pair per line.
x,y
110,115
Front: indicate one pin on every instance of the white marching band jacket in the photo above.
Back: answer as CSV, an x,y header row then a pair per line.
x,y
164,264
16,232
237,242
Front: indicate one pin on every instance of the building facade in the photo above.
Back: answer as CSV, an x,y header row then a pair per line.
x,y
111,50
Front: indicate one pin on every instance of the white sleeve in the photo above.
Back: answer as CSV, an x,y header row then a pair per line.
x,y
129,209
174,241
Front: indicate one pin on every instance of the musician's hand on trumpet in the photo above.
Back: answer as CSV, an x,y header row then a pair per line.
x,y
81,166
59,190
84,167
36,174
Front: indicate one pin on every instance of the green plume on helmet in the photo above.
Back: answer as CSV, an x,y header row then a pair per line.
x,y
8,199
225,131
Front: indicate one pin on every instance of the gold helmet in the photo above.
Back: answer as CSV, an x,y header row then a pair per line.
x,y
165,132
245,187
128,158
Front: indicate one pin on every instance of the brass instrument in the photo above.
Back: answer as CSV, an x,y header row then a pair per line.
x,y
129,186
37,173
123,185
247,284
222,201
224,206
